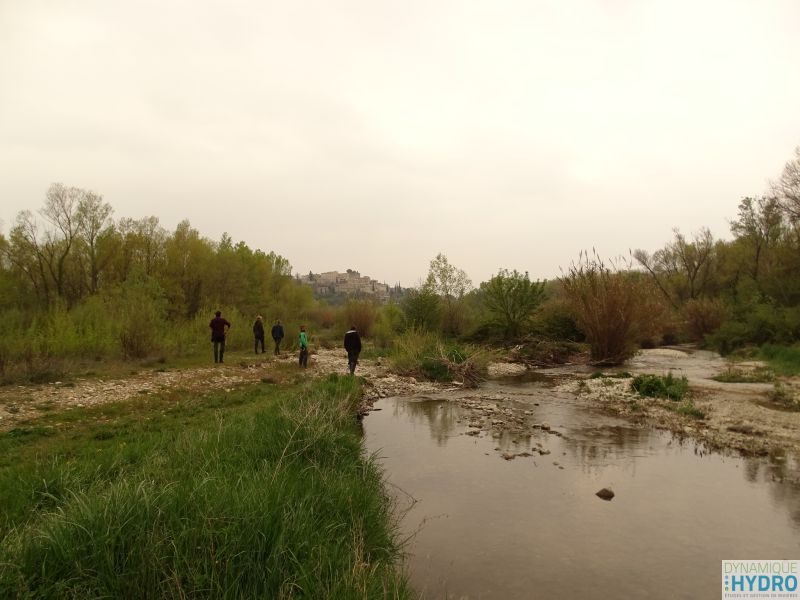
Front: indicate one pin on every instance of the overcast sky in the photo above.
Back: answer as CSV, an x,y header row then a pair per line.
x,y
374,134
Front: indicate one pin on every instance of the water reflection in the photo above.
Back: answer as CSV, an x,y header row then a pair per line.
x,y
532,527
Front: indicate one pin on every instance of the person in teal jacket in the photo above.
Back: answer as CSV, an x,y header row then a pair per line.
x,y
303,346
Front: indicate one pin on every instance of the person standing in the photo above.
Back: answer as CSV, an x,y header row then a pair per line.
x,y
303,347
258,333
352,344
219,328
277,336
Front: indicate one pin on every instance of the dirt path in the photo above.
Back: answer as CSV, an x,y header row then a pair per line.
x,y
24,402
737,415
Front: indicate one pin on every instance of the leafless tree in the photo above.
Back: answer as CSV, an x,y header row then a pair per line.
x,y
682,269
787,187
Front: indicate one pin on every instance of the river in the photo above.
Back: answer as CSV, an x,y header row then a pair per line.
x,y
482,527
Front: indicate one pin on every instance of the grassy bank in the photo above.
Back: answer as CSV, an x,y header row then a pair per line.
x,y
259,493
784,360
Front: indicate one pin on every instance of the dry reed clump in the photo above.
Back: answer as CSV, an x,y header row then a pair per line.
x,y
704,315
362,315
614,308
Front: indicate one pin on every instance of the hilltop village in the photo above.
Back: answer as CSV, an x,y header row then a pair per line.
x,y
333,284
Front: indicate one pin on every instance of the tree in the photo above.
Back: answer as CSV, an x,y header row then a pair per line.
x,y
787,187
94,224
422,308
511,299
758,227
450,283
61,211
682,269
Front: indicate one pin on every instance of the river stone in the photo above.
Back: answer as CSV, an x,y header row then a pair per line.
x,y
605,494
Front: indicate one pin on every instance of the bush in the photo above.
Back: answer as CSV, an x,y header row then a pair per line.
x,y
361,314
423,309
425,355
757,324
615,309
556,320
658,386
388,325
704,316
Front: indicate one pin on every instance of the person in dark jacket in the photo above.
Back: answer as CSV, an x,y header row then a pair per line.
x,y
277,336
258,333
352,344
219,328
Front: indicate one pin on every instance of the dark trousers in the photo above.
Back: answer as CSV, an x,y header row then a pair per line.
x,y
352,361
303,357
219,350
277,346
260,339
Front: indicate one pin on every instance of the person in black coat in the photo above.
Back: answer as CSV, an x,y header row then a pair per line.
x,y
277,336
219,328
258,333
352,344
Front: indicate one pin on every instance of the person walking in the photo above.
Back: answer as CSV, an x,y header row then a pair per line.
x,y
303,347
277,336
219,328
352,344
258,333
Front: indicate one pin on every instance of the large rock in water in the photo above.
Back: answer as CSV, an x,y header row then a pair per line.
x,y
605,494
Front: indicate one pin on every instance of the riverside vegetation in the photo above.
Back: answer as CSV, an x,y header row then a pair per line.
x,y
264,492
86,295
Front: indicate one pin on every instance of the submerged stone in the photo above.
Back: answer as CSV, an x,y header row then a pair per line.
x,y
605,494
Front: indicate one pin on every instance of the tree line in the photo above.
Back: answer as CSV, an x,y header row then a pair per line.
x,y
76,282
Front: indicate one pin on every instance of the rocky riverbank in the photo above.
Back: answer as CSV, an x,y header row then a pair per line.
x,y
738,416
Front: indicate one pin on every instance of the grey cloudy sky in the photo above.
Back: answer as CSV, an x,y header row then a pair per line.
x,y
374,134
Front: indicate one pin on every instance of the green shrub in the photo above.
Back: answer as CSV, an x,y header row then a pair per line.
x,y
555,320
661,386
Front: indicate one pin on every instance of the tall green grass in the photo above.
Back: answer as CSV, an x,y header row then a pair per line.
x,y
784,360
265,495
426,355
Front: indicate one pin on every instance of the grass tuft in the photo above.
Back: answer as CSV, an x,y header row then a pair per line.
x,y
661,386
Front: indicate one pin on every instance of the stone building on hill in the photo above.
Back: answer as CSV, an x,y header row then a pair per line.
x,y
349,283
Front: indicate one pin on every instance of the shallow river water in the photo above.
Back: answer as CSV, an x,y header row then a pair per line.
x,y
482,527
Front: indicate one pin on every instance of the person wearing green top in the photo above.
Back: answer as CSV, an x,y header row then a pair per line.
x,y
303,346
